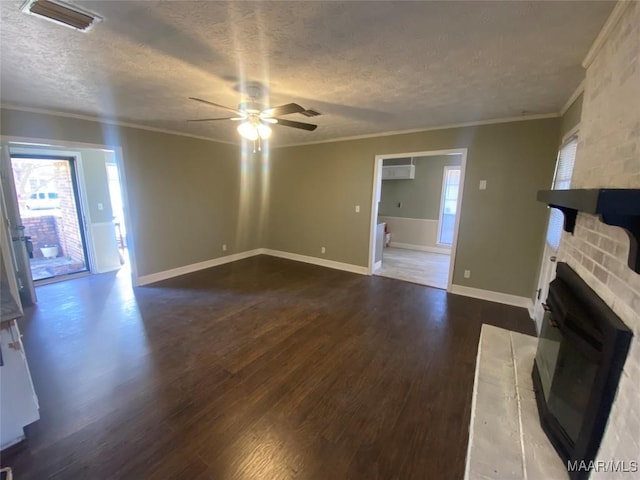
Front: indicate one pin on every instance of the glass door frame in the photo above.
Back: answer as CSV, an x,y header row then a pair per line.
x,y
73,173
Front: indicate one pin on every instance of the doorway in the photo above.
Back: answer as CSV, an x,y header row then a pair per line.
x,y
89,168
561,181
49,209
415,216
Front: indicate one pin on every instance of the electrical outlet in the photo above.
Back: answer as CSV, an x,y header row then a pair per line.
x,y
357,208
467,274
100,206
224,247
323,250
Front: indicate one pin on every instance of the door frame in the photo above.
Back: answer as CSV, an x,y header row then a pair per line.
x,y
11,219
80,191
26,142
75,172
376,190
8,253
547,270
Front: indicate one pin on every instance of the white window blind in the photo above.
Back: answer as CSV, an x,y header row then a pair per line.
x,y
561,181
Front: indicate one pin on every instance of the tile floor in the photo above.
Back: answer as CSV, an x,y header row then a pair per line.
x,y
425,268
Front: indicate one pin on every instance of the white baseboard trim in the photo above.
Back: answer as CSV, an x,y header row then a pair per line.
x,y
421,248
530,309
347,267
194,267
491,296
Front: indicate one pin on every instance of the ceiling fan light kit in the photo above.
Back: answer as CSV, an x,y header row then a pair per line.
x,y
264,131
254,130
246,130
255,118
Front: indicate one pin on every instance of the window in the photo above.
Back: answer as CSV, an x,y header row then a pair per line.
x,y
561,181
448,204
37,183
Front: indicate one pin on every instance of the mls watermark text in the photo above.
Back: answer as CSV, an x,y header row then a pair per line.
x,y
604,466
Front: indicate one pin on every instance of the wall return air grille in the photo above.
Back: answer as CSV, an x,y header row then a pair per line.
x,y
61,13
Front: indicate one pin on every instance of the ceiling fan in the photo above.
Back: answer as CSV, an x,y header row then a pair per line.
x,y
255,118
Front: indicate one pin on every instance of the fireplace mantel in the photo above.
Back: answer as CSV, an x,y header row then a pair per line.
x,y
615,206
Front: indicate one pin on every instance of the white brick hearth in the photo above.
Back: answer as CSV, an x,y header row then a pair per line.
x,y
506,440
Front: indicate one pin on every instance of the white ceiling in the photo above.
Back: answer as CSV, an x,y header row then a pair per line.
x,y
369,67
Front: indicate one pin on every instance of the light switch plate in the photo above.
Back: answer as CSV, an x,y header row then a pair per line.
x,y
357,208
483,184
100,206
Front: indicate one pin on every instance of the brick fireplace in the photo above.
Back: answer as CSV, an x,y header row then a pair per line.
x,y
581,350
609,156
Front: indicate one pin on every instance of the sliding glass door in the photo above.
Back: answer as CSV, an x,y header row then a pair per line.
x,y
48,204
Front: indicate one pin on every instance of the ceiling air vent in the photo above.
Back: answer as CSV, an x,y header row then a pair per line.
x,y
61,13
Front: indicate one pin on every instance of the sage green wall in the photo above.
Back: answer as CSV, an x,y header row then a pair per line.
x,y
314,189
420,197
572,116
186,196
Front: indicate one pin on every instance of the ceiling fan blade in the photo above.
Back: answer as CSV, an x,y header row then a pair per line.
x,y
215,105
287,109
301,125
212,119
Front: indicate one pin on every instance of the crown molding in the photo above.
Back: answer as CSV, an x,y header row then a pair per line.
x,y
90,118
606,30
109,121
576,93
520,118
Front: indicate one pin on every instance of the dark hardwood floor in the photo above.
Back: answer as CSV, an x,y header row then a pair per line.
x,y
260,369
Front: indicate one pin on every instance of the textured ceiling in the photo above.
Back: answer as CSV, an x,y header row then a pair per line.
x,y
369,67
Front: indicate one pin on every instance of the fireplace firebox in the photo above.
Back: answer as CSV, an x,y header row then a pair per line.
x,y
581,351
